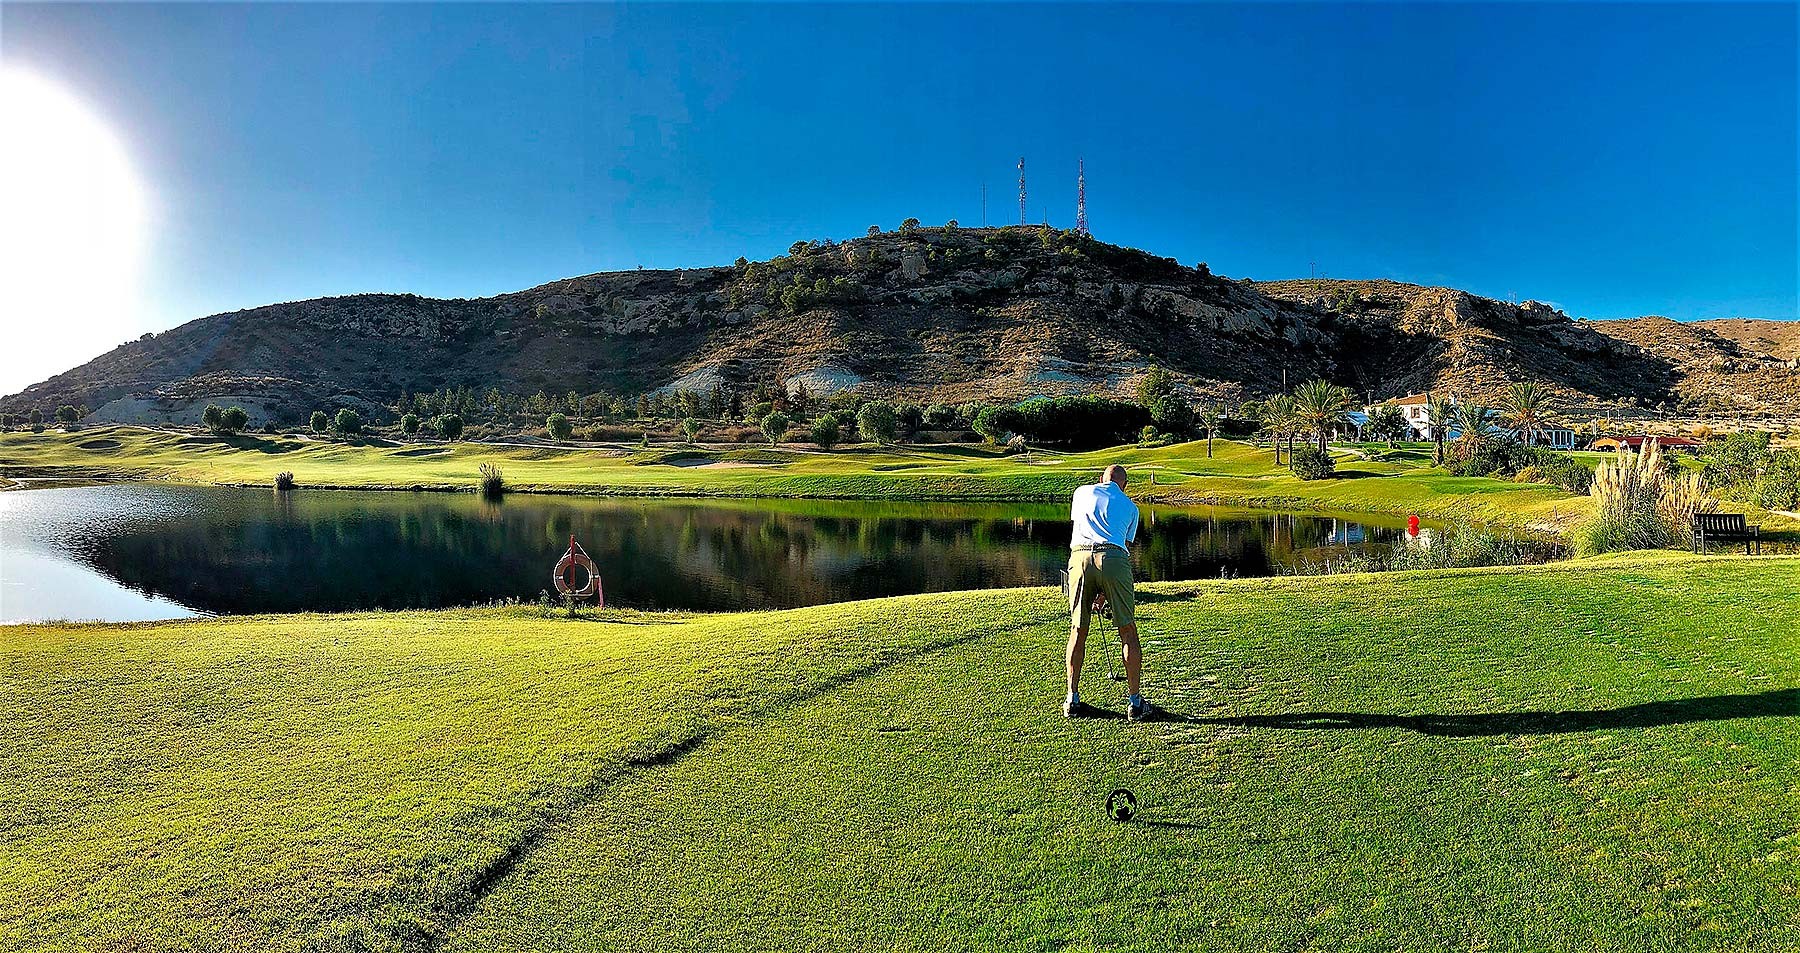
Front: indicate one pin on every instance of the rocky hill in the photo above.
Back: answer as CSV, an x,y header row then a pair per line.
x,y
956,314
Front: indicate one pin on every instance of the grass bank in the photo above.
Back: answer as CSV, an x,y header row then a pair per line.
x,y
1588,756
1237,473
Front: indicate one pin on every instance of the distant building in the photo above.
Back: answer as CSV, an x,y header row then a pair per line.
x,y
1415,409
1552,436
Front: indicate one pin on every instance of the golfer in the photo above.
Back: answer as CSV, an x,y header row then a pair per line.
x,y
1099,566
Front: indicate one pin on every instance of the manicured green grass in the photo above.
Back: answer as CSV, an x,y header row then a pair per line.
x,y
1236,473
1587,756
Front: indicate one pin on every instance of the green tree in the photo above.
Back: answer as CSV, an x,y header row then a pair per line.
x,y
1171,414
691,427
67,414
1387,423
1280,419
1322,406
1527,409
1154,386
1474,421
774,426
1440,413
319,422
940,416
990,424
409,424
874,230
348,422
35,418
876,421
450,427
797,249
909,225
233,420
825,431
212,416
559,427
950,227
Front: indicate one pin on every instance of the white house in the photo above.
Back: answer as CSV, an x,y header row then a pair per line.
x,y
1413,409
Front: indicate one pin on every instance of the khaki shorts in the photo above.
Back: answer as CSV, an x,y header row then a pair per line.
x,y
1106,570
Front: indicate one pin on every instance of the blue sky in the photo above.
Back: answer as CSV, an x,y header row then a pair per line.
x,y
1616,159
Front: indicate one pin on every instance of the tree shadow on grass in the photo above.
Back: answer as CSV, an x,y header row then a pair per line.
x,y
1783,703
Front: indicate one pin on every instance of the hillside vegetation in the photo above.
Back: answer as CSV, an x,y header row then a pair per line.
x,y
942,313
1592,756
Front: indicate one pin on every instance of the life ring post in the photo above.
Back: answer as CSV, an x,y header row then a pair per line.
x,y
564,577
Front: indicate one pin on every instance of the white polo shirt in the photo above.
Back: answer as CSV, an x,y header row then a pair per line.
x,y
1102,514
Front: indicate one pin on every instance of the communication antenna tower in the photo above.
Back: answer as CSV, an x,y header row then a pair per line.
x,y
1080,197
1021,190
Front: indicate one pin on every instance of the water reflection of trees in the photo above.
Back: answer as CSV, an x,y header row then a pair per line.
x,y
242,551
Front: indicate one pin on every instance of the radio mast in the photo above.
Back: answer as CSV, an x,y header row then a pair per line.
x,y
1080,197
1021,190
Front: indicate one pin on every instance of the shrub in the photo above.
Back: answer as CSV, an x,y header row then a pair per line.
x,y
493,482
876,421
348,422
825,431
450,427
284,480
409,424
319,422
774,426
1779,486
559,427
1639,504
1310,463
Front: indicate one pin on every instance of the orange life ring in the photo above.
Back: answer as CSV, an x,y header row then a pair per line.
x,y
564,574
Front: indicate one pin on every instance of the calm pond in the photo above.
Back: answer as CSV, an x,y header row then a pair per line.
x,y
130,551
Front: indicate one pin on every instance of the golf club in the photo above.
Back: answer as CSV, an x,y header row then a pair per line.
x,y
1104,610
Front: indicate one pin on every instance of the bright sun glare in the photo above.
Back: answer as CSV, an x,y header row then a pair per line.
x,y
73,220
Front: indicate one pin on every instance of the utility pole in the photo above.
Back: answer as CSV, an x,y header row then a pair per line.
x,y
984,204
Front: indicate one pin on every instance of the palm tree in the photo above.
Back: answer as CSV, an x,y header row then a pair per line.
x,y
1472,420
1527,408
1322,405
1440,412
1278,419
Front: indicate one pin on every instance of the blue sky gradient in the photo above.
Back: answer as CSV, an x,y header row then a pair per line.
x,y
1617,159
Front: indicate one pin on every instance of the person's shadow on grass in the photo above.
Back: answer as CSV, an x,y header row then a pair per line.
x,y
1782,703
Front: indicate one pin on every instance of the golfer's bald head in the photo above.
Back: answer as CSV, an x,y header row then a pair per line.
x,y
1114,474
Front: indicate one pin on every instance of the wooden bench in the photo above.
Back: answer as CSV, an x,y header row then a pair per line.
x,y
1725,527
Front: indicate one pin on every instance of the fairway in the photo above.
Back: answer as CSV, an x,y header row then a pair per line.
x,y
1235,474
1587,756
